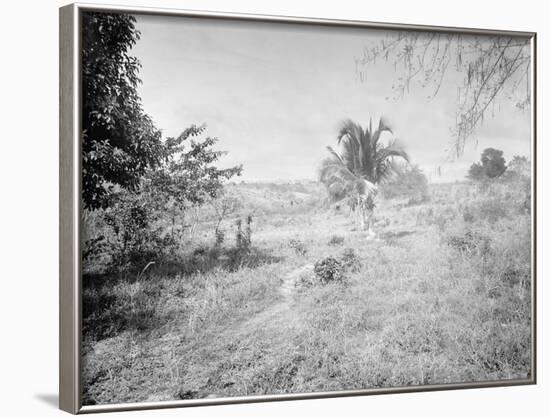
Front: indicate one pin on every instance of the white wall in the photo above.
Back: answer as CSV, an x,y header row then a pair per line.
x,y
28,220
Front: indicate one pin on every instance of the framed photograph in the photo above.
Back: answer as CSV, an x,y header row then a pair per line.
x,y
260,208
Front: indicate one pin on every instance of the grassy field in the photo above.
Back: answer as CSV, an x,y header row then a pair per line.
x,y
442,295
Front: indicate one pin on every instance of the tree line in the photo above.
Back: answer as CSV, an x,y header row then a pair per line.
x,y
492,165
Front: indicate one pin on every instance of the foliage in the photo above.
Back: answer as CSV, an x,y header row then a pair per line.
x,y
93,248
306,280
491,165
224,205
336,240
220,236
518,168
298,246
243,238
363,157
188,176
137,218
493,162
350,260
328,270
121,145
407,181
119,141
470,242
476,172
138,238
492,67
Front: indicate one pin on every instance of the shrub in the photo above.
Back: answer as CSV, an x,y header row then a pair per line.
x,y
298,246
513,275
469,242
243,238
243,244
220,237
306,280
202,259
93,247
138,239
336,240
350,260
328,270
95,250
491,165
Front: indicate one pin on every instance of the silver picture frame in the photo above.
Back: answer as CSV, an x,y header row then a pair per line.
x,y
70,227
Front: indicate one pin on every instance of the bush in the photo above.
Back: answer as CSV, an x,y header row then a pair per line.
x,y
243,238
306,280
470,242
93,247
220,237
138,239
328,270
243,244
94,254
298,246
336,240
350,260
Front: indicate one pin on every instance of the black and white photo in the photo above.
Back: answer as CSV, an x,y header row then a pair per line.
x,y
273,208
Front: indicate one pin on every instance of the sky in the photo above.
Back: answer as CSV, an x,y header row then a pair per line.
x,y
275,95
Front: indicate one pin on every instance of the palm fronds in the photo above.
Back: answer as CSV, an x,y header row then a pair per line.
x,y
363,156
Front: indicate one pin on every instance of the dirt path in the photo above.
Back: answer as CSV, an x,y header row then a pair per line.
x,y
289,281
248,345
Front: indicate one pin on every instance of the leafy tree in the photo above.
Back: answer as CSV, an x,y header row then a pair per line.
x,y
363,157
188,175
119,141
135,218
491,67
492,165
493,162
519,167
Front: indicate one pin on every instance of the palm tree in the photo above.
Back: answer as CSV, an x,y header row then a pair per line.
x,y
363,163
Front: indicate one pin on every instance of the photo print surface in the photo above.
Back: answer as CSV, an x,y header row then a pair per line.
x,y
277,208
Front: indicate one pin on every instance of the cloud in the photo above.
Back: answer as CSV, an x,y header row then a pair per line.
x,y
274,94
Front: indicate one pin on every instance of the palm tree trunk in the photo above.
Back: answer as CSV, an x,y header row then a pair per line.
x,y
360,213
